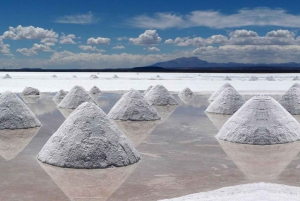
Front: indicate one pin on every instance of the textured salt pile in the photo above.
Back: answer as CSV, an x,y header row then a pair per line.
x,y
291,100
254,161
75,97
6,76
159,95
270,78
253,78
60,95
115,76
227,78
247,192
296,85
186,95
148,89
88,185
216,93
296,78
15,114
30,91
261,121
227,102
95,91
12,142
88,139
133,107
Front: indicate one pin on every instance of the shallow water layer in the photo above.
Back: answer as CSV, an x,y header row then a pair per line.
x,y
180,156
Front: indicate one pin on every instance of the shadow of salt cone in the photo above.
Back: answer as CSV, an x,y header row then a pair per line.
x,y
137,131
12,142
65,112
88,184
261,163
218,119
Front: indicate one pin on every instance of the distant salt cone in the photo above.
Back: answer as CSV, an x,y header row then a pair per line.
x,y
115,76
227,78
75,97
132,106
54,76
148,89
60,95
88,139
15,114
95,91
7,76
216,93
261,121
186,95
227,102
253,78
159,95
296,78
30,91
291,100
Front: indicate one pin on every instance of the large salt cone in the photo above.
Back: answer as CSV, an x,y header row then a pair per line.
x,y
61,94
216,93
95,92
186,95
159,96
30,91
88,139
291,100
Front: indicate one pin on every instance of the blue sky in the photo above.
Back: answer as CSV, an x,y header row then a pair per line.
x,y
116,34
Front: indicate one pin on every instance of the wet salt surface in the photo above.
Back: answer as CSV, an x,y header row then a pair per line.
x,y
180,156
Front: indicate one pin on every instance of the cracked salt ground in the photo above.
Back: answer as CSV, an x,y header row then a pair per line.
x,y
180,156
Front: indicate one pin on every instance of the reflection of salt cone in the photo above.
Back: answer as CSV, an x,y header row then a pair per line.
x,y
30,99
56,101
186,99
12,142
197,101
65,112
261,163
88,184
137,131
44,106
218,119
165,111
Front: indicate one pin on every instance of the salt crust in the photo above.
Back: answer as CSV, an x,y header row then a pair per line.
x,y
60,95
15,114
247,192
291,100
75,97
88,139
261,121
159,95
133,107
216,93
30,91
227,102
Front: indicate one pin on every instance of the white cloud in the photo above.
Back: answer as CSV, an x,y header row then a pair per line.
x,y
90,48
67,39
122,38
149,37
243,34
281,33
88,18
197,41
4,48
49,41
98,41
153,49
215,19
30,32
34,49
216,39
119,47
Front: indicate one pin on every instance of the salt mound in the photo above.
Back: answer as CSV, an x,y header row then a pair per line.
x,y
216,93
296,78
270,78
227,102
95,91
253,78
75,97
6,76
261,121
246,192
74,76
115,76
148,89
95,76
60,95
157,76
227,78
291,100
54,76
30,91
88,139
15,114
159,95
186,95
132,106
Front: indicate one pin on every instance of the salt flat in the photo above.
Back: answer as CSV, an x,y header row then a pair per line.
x,y
198,82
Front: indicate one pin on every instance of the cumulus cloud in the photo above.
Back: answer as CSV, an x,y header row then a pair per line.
x,y
98,41
149,37
119,47
67,39
88,18
27,33
281,33
153,49
243,34
216,19
4,48
34,49
90,48
122,38
49,41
